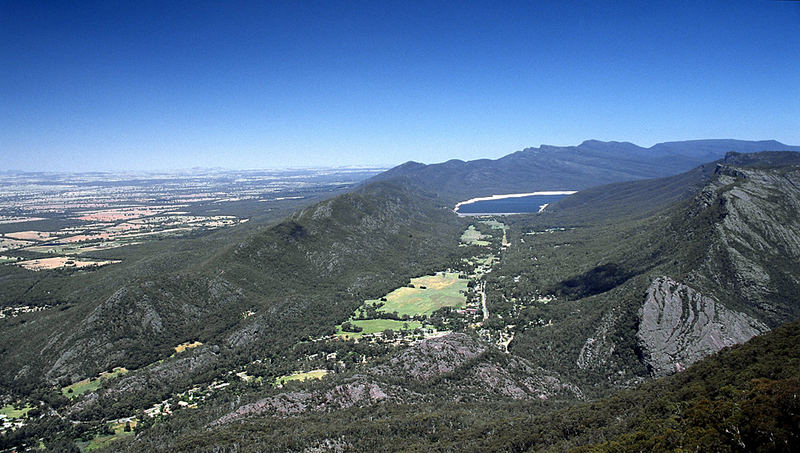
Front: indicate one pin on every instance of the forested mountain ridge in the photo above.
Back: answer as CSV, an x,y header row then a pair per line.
x,y
322,260
605,305
613,286
592,163
169,298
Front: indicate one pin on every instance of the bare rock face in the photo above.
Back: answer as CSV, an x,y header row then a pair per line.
x,y
437,356
359,391
466,364
598,348
754,251
679,326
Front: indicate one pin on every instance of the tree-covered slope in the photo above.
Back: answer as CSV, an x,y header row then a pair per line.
x,y
299,278
743,398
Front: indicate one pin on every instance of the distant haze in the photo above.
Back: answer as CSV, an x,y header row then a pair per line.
x,y
244,85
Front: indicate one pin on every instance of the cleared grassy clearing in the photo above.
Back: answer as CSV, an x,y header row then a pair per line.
x,y
483,264
494,224
11,412
441,290
370,326
89,385
105,440
184,346
471,236
313,374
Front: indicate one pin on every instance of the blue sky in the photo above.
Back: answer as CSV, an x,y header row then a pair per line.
x,y
142,85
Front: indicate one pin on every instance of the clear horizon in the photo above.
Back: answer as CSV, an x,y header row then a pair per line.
x,y
264,85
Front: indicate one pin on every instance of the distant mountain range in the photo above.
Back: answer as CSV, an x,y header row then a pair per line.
x,y
591,163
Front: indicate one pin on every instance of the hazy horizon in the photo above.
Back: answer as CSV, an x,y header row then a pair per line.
x,y
342,166
263,85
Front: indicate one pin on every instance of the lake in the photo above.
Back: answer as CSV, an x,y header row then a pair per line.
x,y
510,203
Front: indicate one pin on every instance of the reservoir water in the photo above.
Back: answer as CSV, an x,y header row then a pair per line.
x,y
510,203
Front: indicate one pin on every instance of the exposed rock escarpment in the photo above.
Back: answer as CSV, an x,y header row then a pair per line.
x,y
679,326
359,391
599,347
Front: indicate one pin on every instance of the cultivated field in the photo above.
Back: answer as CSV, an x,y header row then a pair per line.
x,y
313,374
88,385
474,237
372,326
61,261
428,294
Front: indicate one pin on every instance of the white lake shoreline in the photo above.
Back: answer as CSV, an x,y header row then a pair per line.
x,y
508,195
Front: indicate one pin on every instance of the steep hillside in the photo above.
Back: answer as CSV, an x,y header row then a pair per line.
x,y
299,278
647,295
590,309
740,399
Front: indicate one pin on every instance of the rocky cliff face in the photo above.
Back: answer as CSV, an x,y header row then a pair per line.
x,y
461,362
679,326
758,247
740,239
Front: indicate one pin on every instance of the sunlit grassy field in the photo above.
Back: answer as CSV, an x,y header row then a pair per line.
x,y
473,237
11,412
377,325
313,374
89,385
440,290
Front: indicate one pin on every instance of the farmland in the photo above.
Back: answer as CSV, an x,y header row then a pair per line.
x,y
302,376
77,221
425,294
13,412
473,237
118,431
87,385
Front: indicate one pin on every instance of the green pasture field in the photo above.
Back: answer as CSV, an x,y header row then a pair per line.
x,y
11,412
90,385
313,374
441,290
104,440
472,236
494,224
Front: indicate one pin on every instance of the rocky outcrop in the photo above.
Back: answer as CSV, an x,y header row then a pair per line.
x,y
745,240
437,356
679,325
455,364
458,361
358,391
598,348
